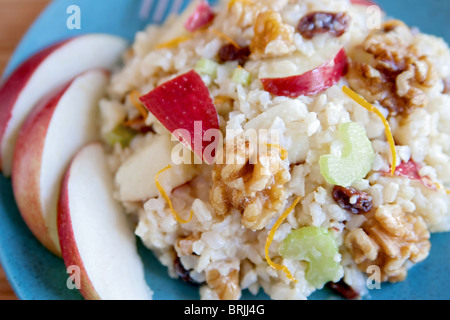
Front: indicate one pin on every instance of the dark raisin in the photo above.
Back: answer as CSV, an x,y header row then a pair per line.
x,y
146,129
230,52
343,289
362,202
336,24
140,127
183,273
446,86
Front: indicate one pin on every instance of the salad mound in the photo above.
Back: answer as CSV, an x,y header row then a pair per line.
x,y
282,145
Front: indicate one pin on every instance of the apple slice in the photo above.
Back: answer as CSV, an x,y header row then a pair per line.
x,y
42,74
178,26
311,82
201,17
363,2
185,107
51,135
135,177
411,171
366,3
408,170
95,234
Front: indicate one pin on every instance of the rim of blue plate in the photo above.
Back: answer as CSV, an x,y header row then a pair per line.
x,y
36,274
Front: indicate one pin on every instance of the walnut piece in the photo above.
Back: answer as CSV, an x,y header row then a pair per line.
x,y
389,239
391,71
227,287
251,182
272,37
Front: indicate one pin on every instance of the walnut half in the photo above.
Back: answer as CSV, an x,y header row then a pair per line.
x,y
226,287
388,68
389,239
253,187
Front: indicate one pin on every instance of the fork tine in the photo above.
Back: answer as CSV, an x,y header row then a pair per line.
x,y
145,9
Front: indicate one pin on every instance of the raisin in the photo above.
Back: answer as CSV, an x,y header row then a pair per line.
x,y
343,289
230,52
336,24
446,86
362,202
183,273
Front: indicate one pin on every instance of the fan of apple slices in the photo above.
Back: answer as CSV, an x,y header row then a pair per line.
x,y
42,104
48,113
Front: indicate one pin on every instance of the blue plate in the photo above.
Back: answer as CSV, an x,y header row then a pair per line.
x,y
36,274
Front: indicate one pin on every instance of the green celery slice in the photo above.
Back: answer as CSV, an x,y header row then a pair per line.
x,y
317,247
121,134
356,159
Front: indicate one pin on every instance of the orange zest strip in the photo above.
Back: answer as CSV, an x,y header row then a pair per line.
x,y
133,122
166,197
365,104
270,239
283,152
225,37
440,187
134,98
174,42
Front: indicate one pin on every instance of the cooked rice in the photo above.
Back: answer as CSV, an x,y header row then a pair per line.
x,y
309,129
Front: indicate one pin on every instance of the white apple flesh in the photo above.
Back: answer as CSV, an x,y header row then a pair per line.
x,y
136,176
51,135
42,74
96,238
